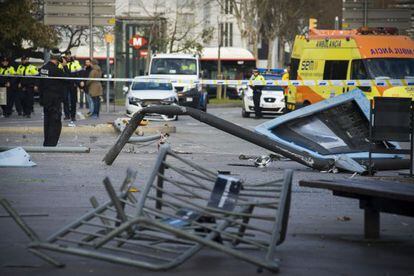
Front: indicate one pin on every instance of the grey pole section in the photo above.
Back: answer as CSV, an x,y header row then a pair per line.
x,y
219,86
49,149
107,75
144,138
365,10
90,28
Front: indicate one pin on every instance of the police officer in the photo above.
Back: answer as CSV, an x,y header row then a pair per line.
x,y
51,97
257,93
27,86
286,77
7,70
72,91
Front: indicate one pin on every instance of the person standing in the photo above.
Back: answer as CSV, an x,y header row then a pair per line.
x,y
66,93
95,88
7,70
286,77
74,69
257,92
85,74
26,86
51,97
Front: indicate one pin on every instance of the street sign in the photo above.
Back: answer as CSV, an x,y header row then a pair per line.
x,y
109,38
143,53
137,41
79,12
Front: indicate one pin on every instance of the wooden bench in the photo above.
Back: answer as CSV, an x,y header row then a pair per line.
x,y
374,197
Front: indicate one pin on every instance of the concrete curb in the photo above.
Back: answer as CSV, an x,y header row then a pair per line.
x,y
227,105
87,129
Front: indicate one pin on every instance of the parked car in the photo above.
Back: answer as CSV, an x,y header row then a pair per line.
x,y
147,91
271,102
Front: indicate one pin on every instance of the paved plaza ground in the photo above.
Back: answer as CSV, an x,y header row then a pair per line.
x,y
325,233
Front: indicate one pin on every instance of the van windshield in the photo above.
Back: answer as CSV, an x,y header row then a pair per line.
x,y
151,86
393,68
173,66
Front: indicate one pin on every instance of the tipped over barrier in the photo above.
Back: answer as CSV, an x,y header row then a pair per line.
x,y
302,157
240,132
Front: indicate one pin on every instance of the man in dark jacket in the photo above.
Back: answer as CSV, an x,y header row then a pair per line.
x,y
85,74
51,97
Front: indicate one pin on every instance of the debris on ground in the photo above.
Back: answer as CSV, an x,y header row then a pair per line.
x,y
182,152
16,157
133,190
163,139
121,123
263,160
343,218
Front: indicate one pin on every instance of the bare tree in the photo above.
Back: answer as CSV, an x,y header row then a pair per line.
x,y
76,35
248,21
184,32
284,19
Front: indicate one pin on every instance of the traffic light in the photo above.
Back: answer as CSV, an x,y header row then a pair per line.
x,y
313,23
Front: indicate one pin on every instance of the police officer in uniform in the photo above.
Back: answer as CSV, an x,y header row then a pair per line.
x,y
27,86
257,93
74,69
51,97
7,70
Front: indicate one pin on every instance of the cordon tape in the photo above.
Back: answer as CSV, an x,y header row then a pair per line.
x,y
376,82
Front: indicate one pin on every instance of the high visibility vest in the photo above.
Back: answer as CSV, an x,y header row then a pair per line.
x,y
27,70
285,76
74,66
257,78
7,70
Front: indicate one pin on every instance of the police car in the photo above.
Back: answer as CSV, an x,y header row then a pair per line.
x,y
272,100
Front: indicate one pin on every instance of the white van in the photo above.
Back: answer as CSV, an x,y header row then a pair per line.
x,y
182,69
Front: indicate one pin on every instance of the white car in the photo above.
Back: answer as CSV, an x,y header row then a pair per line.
x,y
271,102
147,91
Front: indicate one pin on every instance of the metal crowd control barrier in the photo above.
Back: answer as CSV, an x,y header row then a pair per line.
x,y
181,209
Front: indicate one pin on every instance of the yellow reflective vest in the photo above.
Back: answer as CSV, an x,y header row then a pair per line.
x,y
27,70
7,71
256,78
74,66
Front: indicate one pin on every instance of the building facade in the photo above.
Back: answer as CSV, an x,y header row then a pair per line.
x,y
378,13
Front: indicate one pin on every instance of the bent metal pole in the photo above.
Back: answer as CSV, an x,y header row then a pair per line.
x,y
242,133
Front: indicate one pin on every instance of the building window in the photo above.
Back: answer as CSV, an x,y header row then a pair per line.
x,y
228,7
226,34
182,4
